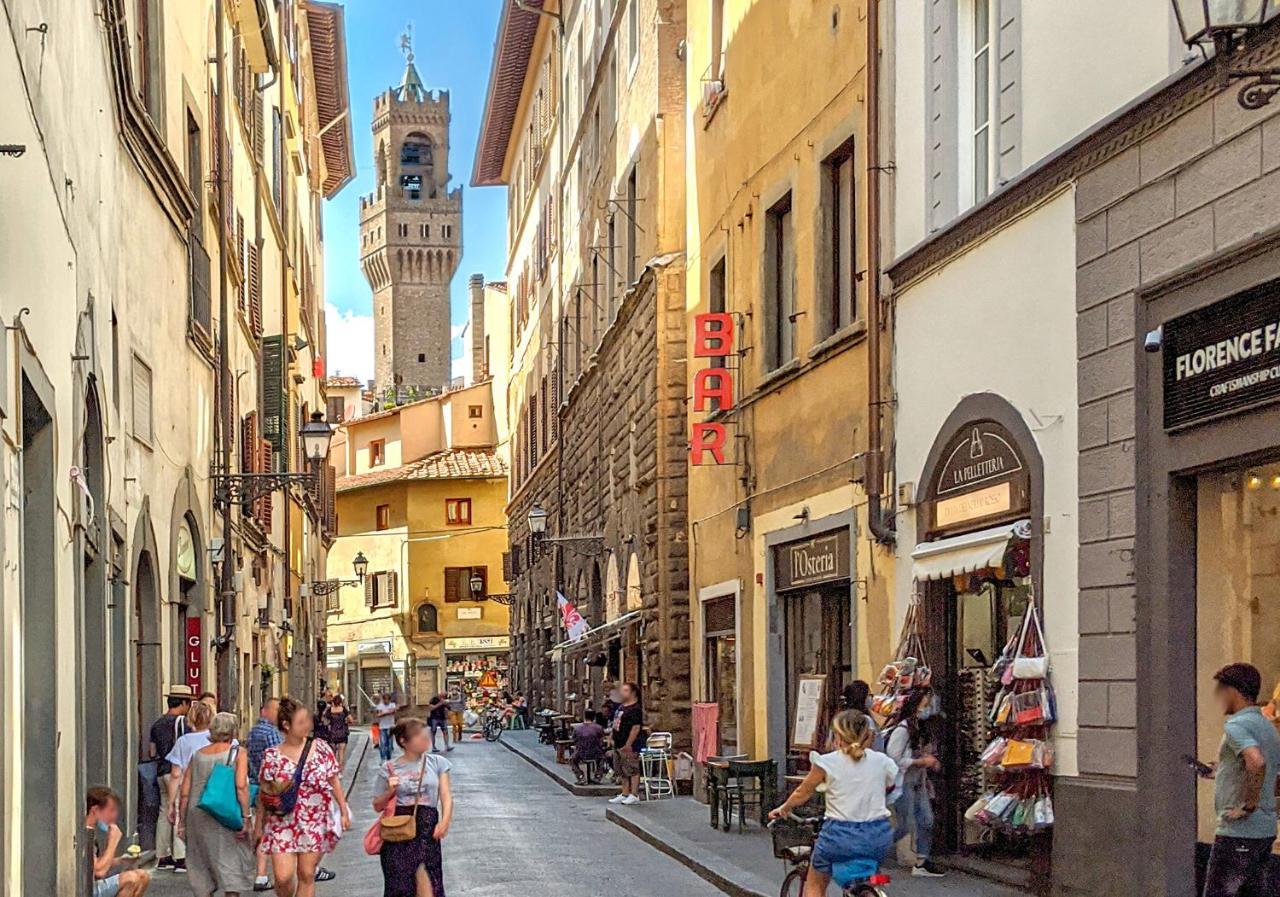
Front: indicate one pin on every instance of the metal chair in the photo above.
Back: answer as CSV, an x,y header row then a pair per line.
x,y
655,766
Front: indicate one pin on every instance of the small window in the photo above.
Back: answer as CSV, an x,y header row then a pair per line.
x,y
458,585
336,408
142,423
475,412
841,238
633,30
425,230
383,517
422,358
380,589
378,450
457,511
780,285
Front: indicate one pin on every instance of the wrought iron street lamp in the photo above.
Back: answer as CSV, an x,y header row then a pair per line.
x,y
247,487
1225,24
477,583
537,521
328,586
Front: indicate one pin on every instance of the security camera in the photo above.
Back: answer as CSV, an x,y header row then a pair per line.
x,y
1154,340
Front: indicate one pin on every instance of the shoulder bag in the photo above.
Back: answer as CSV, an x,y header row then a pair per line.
x,y
219,798
373,837
395,829
1030,662
279,796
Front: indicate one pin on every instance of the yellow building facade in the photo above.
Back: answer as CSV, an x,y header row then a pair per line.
x,y
787,580
421,494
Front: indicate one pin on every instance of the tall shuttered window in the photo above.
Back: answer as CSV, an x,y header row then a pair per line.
x,y
142,401
780,284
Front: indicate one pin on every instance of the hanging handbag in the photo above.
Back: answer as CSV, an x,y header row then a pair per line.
x,y
1028,708
1018,754
395,829
1030,662
976,808
219,798
279,796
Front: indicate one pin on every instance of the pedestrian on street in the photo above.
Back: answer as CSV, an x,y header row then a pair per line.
x,y
856,824
457,711
438,721
1244,792
197,736
628,721
857,696
102,816
295,842
385,711
338,721
211,699
218,859
907,746
322,717
418,782
165,733
264,734
588,746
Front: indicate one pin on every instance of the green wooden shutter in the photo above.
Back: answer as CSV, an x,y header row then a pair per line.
x,y
275,403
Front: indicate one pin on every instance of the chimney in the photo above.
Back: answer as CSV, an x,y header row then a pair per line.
x,y
478,367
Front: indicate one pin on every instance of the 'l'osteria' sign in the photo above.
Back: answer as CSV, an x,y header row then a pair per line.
x,y
811,562
981,480
1223,358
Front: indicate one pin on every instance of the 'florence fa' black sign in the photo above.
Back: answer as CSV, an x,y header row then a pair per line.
x,y
1223,358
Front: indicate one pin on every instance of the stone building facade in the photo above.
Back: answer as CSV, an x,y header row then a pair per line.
x,y
584,124
411,236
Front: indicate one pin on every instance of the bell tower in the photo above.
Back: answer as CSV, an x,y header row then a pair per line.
x,y
411,235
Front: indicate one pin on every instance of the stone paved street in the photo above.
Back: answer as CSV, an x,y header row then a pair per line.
x,y
515,832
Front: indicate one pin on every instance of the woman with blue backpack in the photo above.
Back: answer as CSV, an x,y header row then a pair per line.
x,y
856,833
214,814
300,785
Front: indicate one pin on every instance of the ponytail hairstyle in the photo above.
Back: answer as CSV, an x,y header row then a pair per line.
x,y
853,731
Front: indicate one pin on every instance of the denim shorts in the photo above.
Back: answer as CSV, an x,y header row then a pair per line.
x,y
107,887
841,841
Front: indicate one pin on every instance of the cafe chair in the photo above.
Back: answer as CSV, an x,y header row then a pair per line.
x,y
717,783
750,784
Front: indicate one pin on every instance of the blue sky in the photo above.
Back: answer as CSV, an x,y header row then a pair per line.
x,y
453,45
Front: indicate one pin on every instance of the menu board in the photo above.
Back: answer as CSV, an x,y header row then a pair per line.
x,y
806,729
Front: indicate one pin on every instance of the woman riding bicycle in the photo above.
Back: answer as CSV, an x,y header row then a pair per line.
x,y
858,781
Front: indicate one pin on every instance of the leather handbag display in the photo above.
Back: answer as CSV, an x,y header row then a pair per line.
x,y
1030,662
395,829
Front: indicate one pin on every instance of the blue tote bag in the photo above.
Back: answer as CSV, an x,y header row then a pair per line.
x,y
219,799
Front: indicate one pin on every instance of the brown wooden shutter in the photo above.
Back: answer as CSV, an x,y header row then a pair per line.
x,y
368,589
506,566
452,593
264,466
331,499
392,598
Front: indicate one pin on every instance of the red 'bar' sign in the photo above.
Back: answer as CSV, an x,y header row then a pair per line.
x,y
194,653
712,338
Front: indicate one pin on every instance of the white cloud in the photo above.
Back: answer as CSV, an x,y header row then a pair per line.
x,y
350,343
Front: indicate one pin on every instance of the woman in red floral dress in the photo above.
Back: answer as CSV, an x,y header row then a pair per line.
x,y
296,842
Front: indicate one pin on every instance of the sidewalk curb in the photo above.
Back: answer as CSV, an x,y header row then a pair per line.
x,y
553,774
671,844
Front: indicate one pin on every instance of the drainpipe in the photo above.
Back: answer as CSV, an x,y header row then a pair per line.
x,y
878,521
226,589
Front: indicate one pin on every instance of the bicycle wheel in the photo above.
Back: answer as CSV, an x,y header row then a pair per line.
x,y
492,732
793,884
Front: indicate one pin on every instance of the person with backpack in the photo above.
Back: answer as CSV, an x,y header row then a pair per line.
x,y
219,856
299,782
907,746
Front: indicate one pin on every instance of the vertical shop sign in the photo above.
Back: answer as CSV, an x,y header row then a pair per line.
x,y
195,653
712,338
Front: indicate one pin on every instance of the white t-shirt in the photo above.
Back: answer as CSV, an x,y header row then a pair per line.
x,y
386,715
856,791
187,745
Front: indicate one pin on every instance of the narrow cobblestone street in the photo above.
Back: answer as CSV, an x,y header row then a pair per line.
x,y
515,832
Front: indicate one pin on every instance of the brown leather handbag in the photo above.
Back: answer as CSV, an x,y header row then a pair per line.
x,y
396,829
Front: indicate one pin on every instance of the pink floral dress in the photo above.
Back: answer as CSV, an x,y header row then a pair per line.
x,y
309,828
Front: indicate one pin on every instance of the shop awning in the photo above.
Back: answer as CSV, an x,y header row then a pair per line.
x,y
944,558
594,637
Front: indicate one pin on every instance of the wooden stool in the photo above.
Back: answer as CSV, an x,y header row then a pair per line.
x,y
562,749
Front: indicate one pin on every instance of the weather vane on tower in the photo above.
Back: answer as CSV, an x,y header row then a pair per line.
x,y
406,42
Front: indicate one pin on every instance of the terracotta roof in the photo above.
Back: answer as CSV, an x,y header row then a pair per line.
x,y
339,382
499,285
516,32
326,24
451,464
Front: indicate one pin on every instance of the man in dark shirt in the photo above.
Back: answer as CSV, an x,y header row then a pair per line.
x,y
588,747
628,720
171,853
438,720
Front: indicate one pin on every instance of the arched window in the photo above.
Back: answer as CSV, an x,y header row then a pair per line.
x,y
428,619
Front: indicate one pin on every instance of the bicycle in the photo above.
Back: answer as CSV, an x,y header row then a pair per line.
x,y
493,726
793,840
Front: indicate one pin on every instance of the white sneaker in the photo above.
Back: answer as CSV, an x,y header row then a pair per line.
x,y
617,798
629,800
